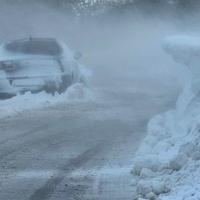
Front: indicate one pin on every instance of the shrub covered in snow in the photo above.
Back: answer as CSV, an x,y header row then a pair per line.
x,y
167,165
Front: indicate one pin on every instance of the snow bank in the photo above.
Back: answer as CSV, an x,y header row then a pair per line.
x,y
167,165
75,93
184,50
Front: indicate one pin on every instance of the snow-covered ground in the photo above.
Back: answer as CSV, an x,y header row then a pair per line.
x,y
75,93
167,165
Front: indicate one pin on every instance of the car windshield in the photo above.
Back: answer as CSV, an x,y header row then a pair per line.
x,y
48,47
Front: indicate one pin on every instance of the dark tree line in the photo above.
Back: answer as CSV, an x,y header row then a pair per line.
x,y
93,6
179,6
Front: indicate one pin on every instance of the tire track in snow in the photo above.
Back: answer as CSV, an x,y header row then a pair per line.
x,y
48,189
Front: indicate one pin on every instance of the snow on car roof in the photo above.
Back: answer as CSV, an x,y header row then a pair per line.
x,y
35,46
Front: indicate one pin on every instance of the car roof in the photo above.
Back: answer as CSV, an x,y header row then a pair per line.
x,y
35,46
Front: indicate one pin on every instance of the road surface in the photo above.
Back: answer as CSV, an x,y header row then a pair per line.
x,y
74,151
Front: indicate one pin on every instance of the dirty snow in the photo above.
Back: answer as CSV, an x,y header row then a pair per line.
x,y
167,165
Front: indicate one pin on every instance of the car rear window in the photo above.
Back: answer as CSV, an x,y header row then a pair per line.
x,y
35,46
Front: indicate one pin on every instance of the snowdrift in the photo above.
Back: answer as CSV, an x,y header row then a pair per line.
x,y
167,165
76,93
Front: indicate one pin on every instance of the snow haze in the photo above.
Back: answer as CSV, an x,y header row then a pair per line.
x,y
117,44
104,137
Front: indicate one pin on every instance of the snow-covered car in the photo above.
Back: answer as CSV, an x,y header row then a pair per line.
x,y
36,64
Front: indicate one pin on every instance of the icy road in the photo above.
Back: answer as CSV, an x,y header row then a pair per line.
x,y
73,151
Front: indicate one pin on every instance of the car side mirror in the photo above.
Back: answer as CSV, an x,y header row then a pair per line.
x,y
77,55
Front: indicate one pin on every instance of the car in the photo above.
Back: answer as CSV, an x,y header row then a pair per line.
x,y
35,65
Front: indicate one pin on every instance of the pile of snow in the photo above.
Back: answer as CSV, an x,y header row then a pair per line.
x,y
167,165
76,93
184,50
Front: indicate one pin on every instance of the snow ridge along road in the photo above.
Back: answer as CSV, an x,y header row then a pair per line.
x,y
167,164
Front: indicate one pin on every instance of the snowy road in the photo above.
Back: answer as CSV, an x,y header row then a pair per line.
x,y
76,150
